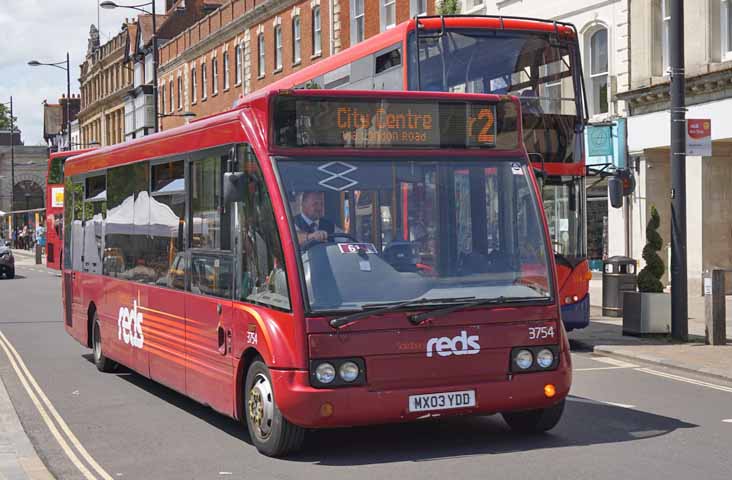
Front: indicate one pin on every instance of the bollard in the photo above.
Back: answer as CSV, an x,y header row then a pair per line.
x,y
39,254
715,331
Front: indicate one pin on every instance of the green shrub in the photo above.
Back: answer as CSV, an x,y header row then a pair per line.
x,y
649,279
449,7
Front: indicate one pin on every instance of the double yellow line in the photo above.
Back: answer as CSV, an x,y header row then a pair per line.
x,y
55,423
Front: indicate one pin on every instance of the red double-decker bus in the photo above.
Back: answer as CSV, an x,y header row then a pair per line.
x,y
55,206
316,259
537,60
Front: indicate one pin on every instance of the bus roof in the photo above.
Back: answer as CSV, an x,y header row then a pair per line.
x,y
69,153
399,33
223,128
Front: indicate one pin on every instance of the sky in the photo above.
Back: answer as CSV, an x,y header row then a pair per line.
x,y
45,30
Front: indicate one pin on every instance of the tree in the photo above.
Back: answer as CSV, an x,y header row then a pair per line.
x,y
449,7
5,118
649,279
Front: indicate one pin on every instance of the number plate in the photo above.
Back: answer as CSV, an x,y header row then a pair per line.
x,y
441,401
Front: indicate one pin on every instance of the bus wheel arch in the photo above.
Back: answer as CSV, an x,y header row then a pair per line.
x,y
90,315
247,357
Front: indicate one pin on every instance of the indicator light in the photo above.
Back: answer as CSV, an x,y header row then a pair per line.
x,y
326,409
549,390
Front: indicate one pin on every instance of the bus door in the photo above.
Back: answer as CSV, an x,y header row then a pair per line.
x,y
209,305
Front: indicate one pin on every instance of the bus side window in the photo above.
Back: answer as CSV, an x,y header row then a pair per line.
x,y
388,70
262,276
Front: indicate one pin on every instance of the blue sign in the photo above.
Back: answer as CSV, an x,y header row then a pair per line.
x,y
600,141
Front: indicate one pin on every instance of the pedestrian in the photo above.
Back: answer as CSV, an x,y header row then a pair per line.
x,y
14,237
41,237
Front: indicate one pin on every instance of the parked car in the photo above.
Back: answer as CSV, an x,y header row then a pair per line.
x,y
7,261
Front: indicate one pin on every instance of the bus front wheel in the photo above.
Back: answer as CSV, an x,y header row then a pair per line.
x,y
535,421
100,360
270,432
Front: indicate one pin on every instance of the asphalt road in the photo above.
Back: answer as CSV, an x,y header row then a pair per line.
x,y
621,421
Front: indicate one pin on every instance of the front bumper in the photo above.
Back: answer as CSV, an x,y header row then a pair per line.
x,y
576,315
301,404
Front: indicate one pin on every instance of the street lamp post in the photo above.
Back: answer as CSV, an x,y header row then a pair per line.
x,y
112,5
34,63
12,155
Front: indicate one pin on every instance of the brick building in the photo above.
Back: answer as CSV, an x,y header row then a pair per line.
x,y
55,122
104,80
247,44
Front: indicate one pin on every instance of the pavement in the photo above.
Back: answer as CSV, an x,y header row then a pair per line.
x,y
604,337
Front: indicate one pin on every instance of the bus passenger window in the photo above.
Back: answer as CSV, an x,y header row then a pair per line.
x,y
387,60
167,217
211,274
210,227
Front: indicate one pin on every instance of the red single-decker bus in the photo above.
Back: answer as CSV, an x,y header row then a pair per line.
x,y
316,259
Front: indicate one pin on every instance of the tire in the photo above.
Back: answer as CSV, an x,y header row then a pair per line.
x,y
534,421
103,363
270,432
10,273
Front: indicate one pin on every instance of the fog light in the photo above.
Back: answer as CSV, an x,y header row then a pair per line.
x,y
326,410
325,373
549,390
567,300
524,359
545,358
348,372
575,298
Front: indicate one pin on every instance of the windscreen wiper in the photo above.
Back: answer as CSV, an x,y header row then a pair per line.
x,y
421,317
370,309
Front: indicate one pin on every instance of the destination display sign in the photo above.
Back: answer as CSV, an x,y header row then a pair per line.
x,y
349,122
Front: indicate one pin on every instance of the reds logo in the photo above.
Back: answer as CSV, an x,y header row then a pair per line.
x,y
129,326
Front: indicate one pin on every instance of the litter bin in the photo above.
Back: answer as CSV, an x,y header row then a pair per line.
x,y
39,254
618,276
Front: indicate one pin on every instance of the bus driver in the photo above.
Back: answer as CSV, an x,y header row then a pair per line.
x,y
310,223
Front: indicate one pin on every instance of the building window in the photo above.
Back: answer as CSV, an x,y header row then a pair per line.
x,y
388,14
598,71
665,33
237,60
419,7
204,81
317,37
477,3
162,98
194,85
215,75
260,49
726,29
180,93
296,39
172,96
278,47
357,21
226,70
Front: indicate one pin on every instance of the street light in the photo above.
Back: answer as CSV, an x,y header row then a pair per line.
x,y
12,154
111,6
35,63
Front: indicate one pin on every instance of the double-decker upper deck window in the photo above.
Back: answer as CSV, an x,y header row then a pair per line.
x,y
357,21
317,38
296,57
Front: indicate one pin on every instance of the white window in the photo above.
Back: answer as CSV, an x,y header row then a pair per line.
x,y
726,29
417,8
477,3
204,81
296,40
599,71
388,14
665,33
180,92
215,75
278,47
162,98
194,85
260,47
237,60
226,70
172,96
357,21
317,37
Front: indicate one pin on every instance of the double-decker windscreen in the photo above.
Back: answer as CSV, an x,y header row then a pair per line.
x,y
348,122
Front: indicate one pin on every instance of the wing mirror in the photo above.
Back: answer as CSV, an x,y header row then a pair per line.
x,y
235,184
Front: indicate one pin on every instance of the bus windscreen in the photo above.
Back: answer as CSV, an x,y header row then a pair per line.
x,y
378,123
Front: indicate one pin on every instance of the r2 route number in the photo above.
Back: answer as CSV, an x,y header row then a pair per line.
x,y
540,333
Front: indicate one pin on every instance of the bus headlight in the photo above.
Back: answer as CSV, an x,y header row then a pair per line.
x,y
545,358
325,373
524,359
348,372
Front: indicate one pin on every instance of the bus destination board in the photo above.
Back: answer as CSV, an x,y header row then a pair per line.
x,y
382,123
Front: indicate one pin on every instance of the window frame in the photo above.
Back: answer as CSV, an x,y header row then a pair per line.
x,y
227,70
171,93
194,85
358,19
204,82
725,30
261,56
278,49
385,6
214,76
665,37
594,100
180,92
317,33
296,40
238,64
416,11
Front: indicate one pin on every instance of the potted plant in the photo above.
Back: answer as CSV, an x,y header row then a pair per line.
x,y
649,309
